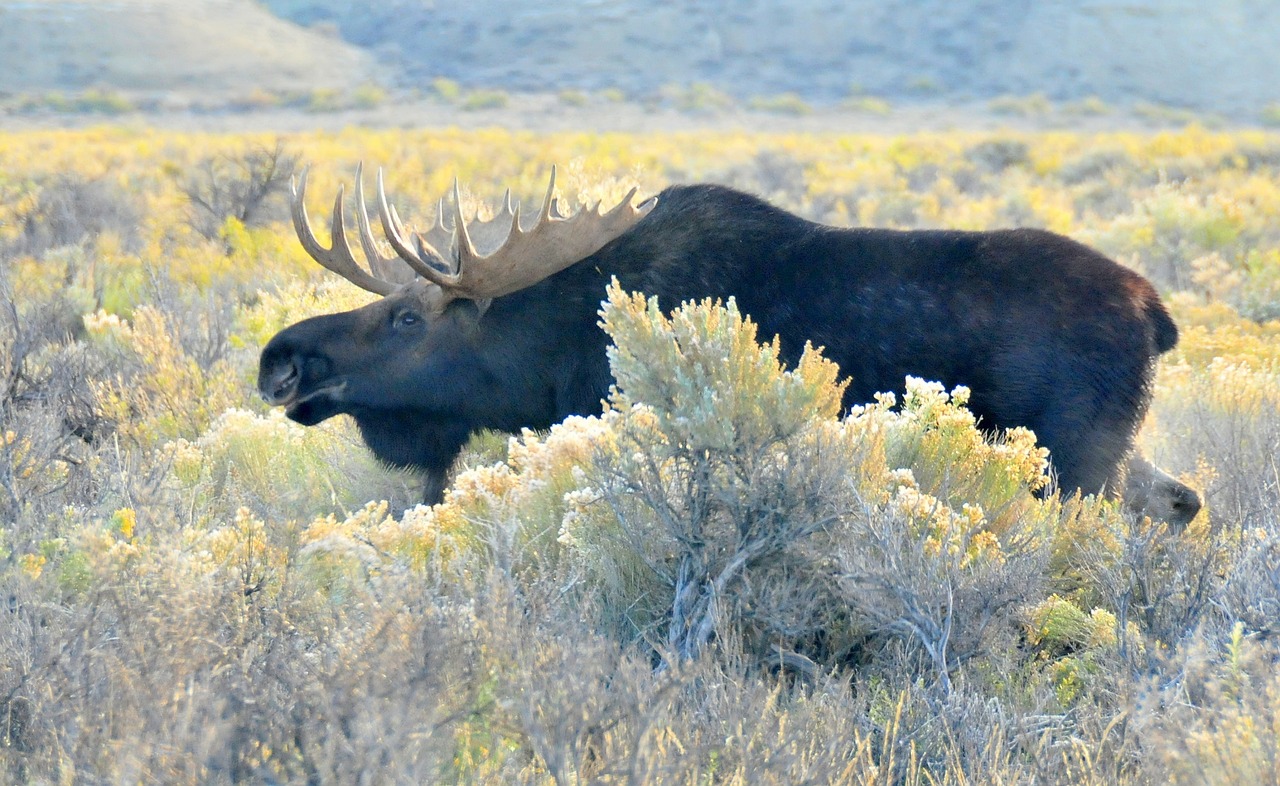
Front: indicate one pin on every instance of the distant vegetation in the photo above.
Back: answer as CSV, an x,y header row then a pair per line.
x,y
197,590
104,102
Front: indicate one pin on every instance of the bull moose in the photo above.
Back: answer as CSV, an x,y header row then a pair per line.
x,y
494,325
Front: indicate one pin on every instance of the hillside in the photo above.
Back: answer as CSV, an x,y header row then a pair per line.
x,y
201,47
1209,56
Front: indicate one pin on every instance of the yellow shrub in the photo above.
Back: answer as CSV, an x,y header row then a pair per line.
x,y
170,395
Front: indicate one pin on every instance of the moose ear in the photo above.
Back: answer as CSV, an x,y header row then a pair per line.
x,y
467,310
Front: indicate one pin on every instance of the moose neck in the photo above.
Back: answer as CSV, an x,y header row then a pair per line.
x,y
411,438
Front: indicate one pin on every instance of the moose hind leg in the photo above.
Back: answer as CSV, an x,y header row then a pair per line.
x,y
1090,442
1091,462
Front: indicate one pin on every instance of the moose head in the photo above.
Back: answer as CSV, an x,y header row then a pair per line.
x,y
420,369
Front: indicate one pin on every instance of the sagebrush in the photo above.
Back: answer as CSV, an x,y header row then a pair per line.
x,y
723,579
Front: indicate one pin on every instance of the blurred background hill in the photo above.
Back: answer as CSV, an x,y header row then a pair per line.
x,y
201,46
1220,55
1216,57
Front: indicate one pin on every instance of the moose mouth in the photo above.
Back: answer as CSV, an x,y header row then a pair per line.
x,y
310,407
320,404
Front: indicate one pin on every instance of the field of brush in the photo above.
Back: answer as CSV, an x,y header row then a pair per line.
x,y
744,588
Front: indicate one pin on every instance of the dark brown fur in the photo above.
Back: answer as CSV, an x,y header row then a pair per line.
x,y
1046,333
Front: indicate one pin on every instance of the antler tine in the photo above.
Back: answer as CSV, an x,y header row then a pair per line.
x,y
485,235
426,250
626,201
462,237
528,256
338,257
549,202
381,266
426,258
396,222
511,209
515,219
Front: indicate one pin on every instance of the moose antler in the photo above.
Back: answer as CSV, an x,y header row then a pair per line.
x,y
338,257
526,256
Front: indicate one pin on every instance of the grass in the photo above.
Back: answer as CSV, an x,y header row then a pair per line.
x,y
446,89
1270,115
570,97
870,105
200,591
485,99
782,104
1034,105
698,98
103,102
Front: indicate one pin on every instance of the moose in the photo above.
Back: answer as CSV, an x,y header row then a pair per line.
x,y
494,324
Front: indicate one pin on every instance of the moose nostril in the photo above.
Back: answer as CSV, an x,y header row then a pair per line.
x,y
282,384
1188,502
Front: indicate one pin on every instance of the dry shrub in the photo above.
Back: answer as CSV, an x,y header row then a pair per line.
x,y
243,187
1094,165
1216,721
715,581
773,174
714,482
160,390
214,677
48,415
717,508
70,209
997,155
763,521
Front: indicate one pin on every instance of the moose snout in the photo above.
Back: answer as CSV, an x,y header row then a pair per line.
x,y
280,383
1186,503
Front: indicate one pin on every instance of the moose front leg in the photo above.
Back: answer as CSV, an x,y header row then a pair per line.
x,y
436,482
417,441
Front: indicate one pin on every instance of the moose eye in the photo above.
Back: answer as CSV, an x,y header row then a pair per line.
x,y
407,319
